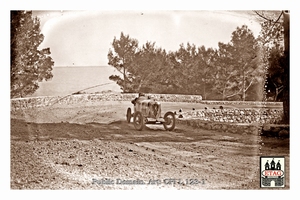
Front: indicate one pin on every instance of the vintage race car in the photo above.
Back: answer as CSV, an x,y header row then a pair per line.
x,y
148,111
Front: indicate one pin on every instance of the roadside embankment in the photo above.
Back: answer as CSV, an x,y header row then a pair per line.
x,y
210,115
23,103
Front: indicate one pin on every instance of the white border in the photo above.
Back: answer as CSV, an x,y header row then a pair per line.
x,y
147,5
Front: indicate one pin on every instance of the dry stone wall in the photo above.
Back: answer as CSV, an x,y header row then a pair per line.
x,y
242,121
255,103
259,115
24,103
256,115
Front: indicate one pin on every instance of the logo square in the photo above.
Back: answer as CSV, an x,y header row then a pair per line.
x,y
272,171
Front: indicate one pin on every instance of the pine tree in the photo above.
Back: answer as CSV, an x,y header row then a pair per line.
x,y
28,65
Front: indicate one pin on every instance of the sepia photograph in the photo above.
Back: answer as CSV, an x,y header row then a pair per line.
x,y
149,99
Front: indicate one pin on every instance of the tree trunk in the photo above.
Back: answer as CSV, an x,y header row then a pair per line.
x,y
124,86
204,90
244,87
286,81
223,95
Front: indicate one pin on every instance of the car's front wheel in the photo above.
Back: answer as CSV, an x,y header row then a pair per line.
x,y
138,120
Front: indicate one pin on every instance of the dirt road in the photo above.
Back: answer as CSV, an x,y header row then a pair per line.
x,y
91,146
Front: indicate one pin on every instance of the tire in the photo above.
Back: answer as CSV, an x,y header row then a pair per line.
x,y
169,123
138,121
128,115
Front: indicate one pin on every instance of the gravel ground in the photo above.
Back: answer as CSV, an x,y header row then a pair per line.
x,y
91,146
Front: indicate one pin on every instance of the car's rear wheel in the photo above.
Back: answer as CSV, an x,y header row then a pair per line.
x,y
169,123
128,115
138,120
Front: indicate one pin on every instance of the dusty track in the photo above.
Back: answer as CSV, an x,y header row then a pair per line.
x,y
83,146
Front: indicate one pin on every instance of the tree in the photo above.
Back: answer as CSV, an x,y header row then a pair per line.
x,y
28,65
275,38
121,57
185,69
246,54
148,72
271,37
237,64
275,74
225,81
206,69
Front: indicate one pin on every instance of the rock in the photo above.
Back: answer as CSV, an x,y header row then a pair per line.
x,y
266,127
71,156
65,163
275,129
283,133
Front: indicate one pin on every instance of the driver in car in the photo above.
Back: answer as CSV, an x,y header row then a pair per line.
x,y
137,102
141,97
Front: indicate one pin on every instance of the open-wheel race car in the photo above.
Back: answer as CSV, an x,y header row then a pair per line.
x,y
148,111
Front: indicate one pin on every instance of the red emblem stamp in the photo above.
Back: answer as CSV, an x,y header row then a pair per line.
x,y
272,171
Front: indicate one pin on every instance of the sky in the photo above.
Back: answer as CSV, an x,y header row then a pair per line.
x,y
83,38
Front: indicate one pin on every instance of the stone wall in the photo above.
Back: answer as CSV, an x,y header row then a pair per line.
x,y
255,115
24,103
242,121
256,103
269,130
239,128
261,115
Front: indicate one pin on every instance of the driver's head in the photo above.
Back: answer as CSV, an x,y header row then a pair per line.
x,y
141,94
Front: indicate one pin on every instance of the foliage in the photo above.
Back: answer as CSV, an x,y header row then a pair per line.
x,y
272,39
147,62
29,65
205,69
237,64
232,70
185,74
275,74
275,39
121,57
